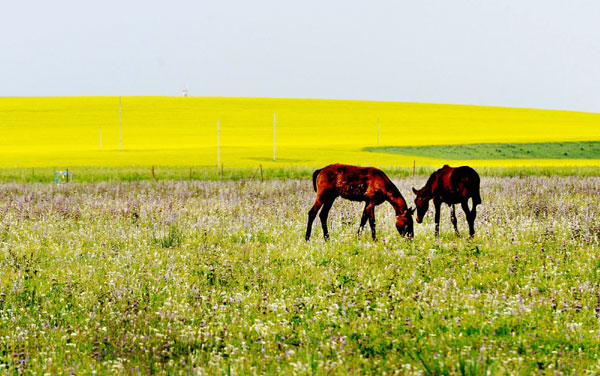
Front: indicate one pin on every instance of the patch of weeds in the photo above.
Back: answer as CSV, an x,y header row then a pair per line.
x,y
171,239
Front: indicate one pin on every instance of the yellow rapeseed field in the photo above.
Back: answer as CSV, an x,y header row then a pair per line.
x,y
182,131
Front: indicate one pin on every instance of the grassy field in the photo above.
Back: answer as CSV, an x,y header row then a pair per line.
x,y
541,150
215,278
196,173
171,131
155,260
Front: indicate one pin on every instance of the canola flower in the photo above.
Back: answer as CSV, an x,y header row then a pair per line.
x,y
171,131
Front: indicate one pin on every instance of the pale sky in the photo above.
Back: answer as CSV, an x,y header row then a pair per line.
x,y
522,53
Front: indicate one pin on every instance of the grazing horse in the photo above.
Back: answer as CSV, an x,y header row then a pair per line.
x,y
355,183
451,186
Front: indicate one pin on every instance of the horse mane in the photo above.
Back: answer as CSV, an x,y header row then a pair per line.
x,y
390,186
435,175
432,178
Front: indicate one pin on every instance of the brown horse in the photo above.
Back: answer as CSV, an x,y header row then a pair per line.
x,y
451,186
355,183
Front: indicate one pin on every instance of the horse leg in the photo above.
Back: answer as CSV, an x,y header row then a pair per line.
x,y
363,219
472,222
470,214
323,215
453,218
371,212
437,205
312,213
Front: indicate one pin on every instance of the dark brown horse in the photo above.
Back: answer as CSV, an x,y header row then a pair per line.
x,y
355,183
451,186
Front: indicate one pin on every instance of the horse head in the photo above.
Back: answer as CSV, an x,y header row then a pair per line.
x,y
422,204
404,223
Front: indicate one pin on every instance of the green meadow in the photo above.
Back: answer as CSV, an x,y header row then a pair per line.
x,y
542,150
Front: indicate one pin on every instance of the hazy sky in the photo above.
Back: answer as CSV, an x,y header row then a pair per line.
x,y
523,53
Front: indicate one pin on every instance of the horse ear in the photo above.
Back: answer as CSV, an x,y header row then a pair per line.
x,y
411,210
415,191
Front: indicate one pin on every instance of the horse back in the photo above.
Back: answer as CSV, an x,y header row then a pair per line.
x,y
351,182
466,181
465,173
453,184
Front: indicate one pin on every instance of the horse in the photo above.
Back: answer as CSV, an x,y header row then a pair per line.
x,y
355,183
451,186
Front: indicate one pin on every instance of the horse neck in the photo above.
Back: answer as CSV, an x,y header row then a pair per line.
x,y
394,196
427,190
397,202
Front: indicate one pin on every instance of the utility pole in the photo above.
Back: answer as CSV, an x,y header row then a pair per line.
x,y
218,144
120,134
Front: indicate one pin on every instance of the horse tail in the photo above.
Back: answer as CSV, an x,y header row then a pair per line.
x,y
315,174
476,195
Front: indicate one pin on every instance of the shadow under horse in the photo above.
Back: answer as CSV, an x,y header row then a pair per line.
x,y
451,186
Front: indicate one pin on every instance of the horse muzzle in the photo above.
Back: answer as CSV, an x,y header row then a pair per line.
x,y
419,219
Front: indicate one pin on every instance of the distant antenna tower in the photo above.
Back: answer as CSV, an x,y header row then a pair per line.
x,y
185,92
